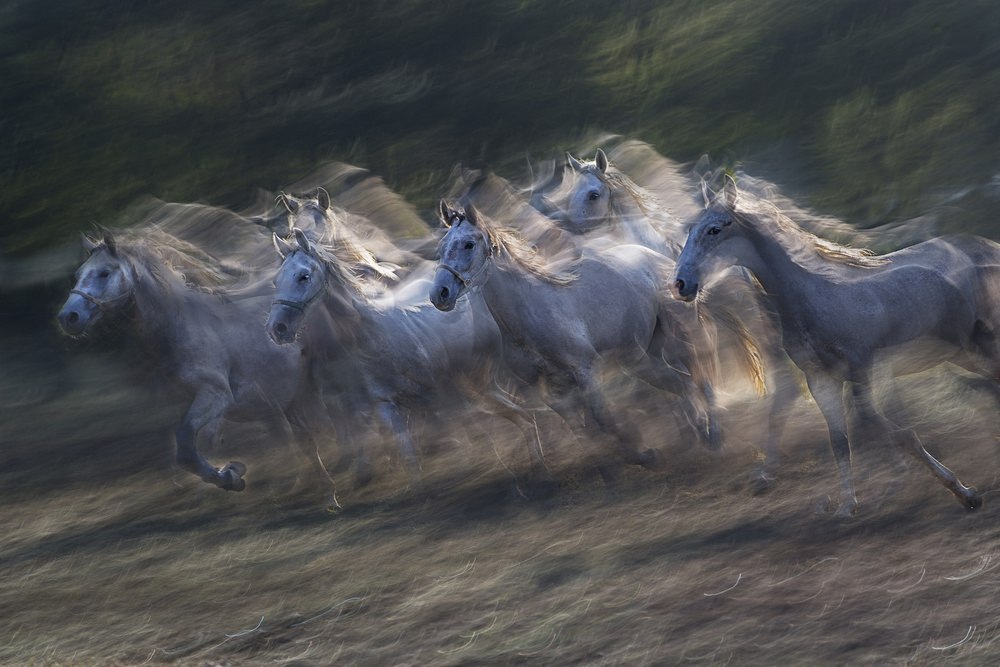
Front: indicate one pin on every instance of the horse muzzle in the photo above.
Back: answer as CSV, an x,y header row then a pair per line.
x,y
279,327
445,292
75,318
683,290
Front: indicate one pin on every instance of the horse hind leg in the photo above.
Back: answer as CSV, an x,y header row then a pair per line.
x,y
904,437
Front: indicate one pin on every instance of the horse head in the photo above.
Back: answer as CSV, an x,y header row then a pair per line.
x,y
105,285
711,241
464,254
588,204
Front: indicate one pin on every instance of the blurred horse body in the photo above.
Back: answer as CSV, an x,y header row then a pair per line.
x,y
844,312
211,348
559,328
408,355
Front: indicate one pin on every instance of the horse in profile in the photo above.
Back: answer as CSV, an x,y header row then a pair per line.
x,y
559,327
848,316
407,355
212,349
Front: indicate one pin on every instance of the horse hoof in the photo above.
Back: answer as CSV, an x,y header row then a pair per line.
x,y
232,476
846,511
974,501
236,467
653,459
761,482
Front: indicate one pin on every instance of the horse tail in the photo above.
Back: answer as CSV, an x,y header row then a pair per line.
x,y
751,359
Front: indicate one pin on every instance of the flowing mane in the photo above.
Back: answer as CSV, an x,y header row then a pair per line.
x,y
175,263
751,211
338,236
511,246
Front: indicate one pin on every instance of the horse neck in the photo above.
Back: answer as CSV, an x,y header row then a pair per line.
x,y
630,221
505,280
782,275
158,315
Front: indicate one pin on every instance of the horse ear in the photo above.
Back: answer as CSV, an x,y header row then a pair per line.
x,y
109,241
446,213
302,240
729,190
472,215
89,244
288,203
281,245
602,160
706,194
323,198
573,162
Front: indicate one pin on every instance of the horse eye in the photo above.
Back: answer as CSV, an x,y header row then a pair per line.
x,y
714,230
104,273
304,277
594,194
470,245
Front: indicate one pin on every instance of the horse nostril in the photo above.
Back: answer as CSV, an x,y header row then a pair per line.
x,y
280,328
679,285
444,292
73,317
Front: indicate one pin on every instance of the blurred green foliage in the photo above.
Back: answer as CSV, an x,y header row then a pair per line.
x,y
886,107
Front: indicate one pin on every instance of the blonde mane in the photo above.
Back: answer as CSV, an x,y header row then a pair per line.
x,y
511,246
751,210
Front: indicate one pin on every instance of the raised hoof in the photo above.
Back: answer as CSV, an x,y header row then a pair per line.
x,y
974,501
653,459
232,476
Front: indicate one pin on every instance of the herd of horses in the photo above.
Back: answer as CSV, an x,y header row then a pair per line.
x,y
532,296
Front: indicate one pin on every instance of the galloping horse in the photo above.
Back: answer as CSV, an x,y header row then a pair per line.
x,y
560,327
843,311
210,348
408,355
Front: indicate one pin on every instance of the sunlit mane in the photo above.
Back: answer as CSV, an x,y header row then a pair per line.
x,y
508,244
339,239
750,210
342,271
620,185
168,258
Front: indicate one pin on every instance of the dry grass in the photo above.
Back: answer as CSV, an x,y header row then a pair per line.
x,y
118,560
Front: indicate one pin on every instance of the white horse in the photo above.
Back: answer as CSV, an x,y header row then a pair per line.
x,y
211,349
843,311
560,328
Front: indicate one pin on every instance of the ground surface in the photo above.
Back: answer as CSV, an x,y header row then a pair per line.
x,y
111,556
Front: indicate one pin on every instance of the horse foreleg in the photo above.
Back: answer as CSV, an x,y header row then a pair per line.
x,y
204,418
595,411
565,401
305,440
782,399
392,417
829,395
501,404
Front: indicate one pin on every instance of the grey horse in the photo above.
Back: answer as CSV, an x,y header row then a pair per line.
x,y
211,349
844,313
559,328
407,354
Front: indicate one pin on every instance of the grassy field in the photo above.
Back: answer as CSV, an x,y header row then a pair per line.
x,y
111,556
